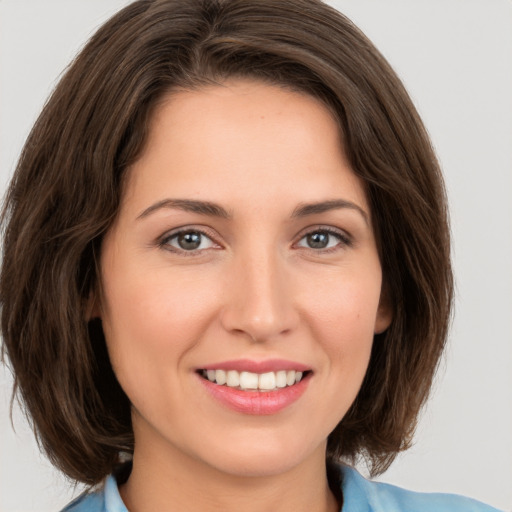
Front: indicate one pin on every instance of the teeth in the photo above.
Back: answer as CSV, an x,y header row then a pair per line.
x,y
233,379
281,379
247,380
220,377
267,381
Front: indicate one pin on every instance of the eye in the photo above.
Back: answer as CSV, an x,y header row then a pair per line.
x,y
322,239
187,240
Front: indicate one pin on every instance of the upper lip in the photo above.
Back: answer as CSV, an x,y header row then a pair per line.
x,y
249,365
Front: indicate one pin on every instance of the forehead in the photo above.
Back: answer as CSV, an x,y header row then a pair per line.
x,y
239,104
241,137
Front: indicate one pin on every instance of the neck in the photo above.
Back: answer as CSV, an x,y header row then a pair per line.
x,y
168,480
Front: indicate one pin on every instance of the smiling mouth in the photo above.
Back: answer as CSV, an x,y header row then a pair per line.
x,y
249,381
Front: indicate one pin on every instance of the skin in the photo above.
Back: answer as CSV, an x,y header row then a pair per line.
x,y
254,289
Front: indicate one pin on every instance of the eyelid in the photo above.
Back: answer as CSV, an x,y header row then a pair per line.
x,y
346,239
162,241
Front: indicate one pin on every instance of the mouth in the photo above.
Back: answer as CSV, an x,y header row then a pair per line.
x,y
251,381
254,387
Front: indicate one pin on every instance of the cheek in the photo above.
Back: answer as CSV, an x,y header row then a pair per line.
x,y
345,306
153,317
342,316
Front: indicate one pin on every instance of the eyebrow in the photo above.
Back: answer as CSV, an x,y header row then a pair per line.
x,y
188,205
214,210
303,210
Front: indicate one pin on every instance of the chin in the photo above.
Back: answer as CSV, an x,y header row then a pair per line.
x,y
261,468
265,459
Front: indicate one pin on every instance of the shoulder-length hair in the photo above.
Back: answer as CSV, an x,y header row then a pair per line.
x,y
66,192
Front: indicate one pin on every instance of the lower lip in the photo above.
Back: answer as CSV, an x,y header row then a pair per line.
x,y
256,402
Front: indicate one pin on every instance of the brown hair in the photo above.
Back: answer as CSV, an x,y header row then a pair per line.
x,y
66,192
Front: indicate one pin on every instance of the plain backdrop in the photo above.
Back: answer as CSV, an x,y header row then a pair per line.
x,y
455,57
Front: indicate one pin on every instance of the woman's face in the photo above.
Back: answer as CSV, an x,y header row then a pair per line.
x,y
243,250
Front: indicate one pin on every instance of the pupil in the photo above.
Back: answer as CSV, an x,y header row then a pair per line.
x,y
318,240
188,241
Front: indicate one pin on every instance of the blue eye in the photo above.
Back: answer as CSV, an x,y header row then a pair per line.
x,y
188,241
323,239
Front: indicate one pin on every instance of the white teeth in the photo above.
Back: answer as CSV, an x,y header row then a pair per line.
x,y
233,379
281,379
268,381
220,377
248,380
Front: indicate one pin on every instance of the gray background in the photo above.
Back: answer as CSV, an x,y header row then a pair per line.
x,y
455,57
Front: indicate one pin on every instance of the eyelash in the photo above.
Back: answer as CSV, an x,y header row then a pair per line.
x,y
344,240
164,242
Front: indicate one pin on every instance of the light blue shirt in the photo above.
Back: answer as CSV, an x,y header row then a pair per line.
x,y
359,495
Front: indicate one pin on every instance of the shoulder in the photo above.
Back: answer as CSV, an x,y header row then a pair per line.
x,y
104,499
362,495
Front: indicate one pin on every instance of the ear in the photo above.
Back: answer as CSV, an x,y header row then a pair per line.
x,y
384,312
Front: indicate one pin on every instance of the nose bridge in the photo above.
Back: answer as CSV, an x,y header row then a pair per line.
x,y
259,302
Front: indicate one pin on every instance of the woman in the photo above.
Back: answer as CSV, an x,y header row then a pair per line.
x,y
227,259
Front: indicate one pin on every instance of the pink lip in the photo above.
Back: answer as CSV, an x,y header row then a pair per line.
x,y
256,402
249,365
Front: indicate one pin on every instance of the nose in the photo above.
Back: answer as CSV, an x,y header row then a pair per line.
x,y
259,298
